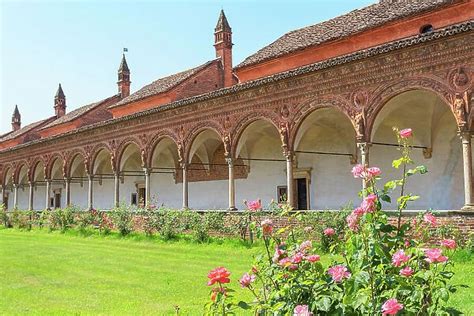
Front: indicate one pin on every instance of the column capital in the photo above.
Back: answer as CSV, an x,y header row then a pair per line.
x,y
465,135
147,170
230,161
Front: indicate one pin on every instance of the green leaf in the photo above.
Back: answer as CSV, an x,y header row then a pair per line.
x,y
386,198
244,305
323,304
397,163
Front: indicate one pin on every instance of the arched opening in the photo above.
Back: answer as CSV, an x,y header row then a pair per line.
x,y
132,176
57,194
437,147
8,188
23,188
103,180
39,186
325,146
207,172
259,149
79,184
165,183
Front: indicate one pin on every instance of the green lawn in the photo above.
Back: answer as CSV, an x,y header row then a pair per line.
x,y
50,273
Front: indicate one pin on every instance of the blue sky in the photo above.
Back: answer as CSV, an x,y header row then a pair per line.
x,y
79,43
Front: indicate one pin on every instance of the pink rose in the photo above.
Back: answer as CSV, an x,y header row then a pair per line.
x,y
305,246
338,273
254,205
353,221
373,172
267,227
405,133
293,267
329,231
434,255
246,280
368,204
406,272
359,211
391,307
399,258
285,262
218,275
448,243
297,258
430,219
358,171
302,310
313,258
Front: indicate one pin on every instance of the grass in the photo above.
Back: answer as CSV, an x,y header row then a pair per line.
x,y
56,274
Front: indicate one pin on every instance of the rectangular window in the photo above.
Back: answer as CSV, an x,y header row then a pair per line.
x,y
134,199
282,193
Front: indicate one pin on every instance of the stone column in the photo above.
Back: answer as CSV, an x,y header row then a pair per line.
x,y
147,172
364,160
116,189
90,204
467,163
68,191
289,178
184,167
2,192
48,188
15,196
232,207
30,197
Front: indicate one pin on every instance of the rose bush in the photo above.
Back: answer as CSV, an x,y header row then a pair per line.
x,y
380,268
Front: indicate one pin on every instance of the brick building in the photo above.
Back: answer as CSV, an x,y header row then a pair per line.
x,y
287,122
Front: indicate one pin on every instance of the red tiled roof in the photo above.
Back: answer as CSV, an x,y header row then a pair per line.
x,y
163,84
24,130
342,26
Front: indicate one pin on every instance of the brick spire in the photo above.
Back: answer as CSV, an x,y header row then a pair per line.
x,y
223,45
123,78
60,102
16,119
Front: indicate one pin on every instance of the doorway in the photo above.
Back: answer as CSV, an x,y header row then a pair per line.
x,y
302,194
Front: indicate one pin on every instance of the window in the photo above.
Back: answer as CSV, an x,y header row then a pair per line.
x,y
282,193
134,200
426,29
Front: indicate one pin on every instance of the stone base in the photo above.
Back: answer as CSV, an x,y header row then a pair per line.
x,y
468,208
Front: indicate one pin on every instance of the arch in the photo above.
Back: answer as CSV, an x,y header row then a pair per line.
x,y
246,121
34,166
157,139
191,149
19,166
37,168
77,154
387,92
96,152
123,146
123,158
156,142
7,174
312,107
56,162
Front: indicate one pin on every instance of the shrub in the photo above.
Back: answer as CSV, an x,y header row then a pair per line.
x,y
4,217
62,219
122,218
385,268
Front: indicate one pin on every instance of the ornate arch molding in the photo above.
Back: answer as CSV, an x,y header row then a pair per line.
x,y
121,146
95,152
19,165
4,171
69,159
156,139
242,124
385,93
336,102
195,130
33,165
49,161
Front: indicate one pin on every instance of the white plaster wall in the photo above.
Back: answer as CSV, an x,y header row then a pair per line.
x,y
164,191
39,197
79,194
103,197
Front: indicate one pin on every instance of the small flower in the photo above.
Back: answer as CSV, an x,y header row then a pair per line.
x,y
430,219
448,243
406,133
391,307
308,229
359,211
329,231
285,262
373,172
338,273
358,171
305,246
301,310
246,280
434,255
218,275
254,270
406,272
217,290
313,258
297,258
368,204
353,221
399,258
254,205
267,227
